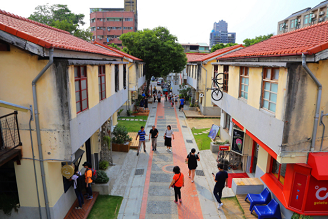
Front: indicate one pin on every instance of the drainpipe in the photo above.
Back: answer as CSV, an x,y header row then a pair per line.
x,y
35,176
316,118
129,84
204,89
38,133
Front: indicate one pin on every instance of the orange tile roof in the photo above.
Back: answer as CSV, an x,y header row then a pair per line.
x,y
46,36
308,40
218,52
118,51
193,56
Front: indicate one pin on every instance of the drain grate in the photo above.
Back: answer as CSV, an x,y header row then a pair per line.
x,y
184,126
189,141
154,107
139,172
200,173
160,117
152,116
181,116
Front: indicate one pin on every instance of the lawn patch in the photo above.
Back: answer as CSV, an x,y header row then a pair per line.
x,y
133,126
106,206
203,142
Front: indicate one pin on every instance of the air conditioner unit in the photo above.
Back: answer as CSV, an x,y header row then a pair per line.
x,y
108,29
321,13
321,19
312,15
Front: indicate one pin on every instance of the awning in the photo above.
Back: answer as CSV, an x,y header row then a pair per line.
x,y
317,161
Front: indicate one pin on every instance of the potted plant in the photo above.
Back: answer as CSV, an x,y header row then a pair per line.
x,y
121,139
215,145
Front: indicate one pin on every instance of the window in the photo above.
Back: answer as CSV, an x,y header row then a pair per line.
x,y
281,27
124,76
227,119
244,82
92,20
81,89
93,28
292,23
127,28
278,170
270,88
225,77
306,19
100,19
117,80
102,82
114,19
128,19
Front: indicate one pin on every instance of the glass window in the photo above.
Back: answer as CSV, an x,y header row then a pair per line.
x,y
306,19
278,170
117,84
124,76
81,88
292,23
244,82
225,77
270,88
102,82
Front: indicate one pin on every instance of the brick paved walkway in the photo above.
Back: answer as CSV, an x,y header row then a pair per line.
x,y
158,199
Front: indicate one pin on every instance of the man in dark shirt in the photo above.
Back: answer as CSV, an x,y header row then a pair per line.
x,y
221,179
154,134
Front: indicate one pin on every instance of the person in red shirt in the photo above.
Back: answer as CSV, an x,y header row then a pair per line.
x,y
177,183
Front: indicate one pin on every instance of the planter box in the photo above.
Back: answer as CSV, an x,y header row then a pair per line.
x,y
121,147
102,188
192,108
215,147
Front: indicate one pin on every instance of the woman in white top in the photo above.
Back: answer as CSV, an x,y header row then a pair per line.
x,y
168,135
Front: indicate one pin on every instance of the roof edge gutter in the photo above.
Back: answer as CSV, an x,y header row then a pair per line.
x,y
316,118
38,132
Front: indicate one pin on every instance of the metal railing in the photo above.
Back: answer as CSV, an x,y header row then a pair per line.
x,y
9,132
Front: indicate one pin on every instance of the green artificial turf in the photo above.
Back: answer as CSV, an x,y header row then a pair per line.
x,y
106,207
203,142
133,126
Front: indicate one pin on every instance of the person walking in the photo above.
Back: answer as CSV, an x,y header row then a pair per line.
x,y
159,95
192,159
154,134
78,185
155,94
146,103
142,139
168,136
221,179
182,100
88,179
170,96
177,183
166,94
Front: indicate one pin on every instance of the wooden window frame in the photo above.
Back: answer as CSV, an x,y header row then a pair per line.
x,y
225,78
271,80
244,73
215,72
79,78
277,178
117,77
124,76
101,74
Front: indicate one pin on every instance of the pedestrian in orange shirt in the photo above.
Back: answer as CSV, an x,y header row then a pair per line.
x,y
88,179
177,183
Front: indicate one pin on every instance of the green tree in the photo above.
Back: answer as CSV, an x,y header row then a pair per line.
x,y
221,46
249,42
158,49
114,46
59,16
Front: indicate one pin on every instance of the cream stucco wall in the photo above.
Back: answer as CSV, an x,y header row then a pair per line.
x,y
233,82
263,160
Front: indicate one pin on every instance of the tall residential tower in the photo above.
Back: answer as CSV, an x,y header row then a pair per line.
x,y
220,34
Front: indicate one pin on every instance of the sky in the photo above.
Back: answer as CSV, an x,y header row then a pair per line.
x,y
189,20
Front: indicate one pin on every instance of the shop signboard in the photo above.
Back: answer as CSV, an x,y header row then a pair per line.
x,y
214,131
237,141
317,198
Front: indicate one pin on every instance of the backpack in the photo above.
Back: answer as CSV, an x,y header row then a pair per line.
x,y
94,174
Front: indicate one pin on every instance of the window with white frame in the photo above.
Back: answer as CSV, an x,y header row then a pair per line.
x,y
270,88
244,82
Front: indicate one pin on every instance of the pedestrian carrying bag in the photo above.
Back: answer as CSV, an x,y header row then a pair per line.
x,y
176,181
94,175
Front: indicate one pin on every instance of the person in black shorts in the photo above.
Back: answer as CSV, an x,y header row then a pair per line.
x,y
192,159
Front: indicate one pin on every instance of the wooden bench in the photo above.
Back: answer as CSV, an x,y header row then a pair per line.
x,y
247,185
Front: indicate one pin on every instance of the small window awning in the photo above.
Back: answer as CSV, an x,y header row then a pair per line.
x,y
317,162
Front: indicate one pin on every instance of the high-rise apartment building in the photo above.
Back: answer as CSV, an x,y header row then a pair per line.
x,y
220,34
304,18
108,24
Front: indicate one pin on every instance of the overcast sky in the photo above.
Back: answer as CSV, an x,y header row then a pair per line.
x,y
190,20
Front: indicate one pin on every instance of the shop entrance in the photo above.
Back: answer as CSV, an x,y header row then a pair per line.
x,y
255,150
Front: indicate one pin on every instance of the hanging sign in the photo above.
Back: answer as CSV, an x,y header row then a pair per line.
x,y
237,141
67,171
214,131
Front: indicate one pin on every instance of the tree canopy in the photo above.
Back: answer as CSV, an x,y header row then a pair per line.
x,y
59,16
249,42
221,46
158,49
